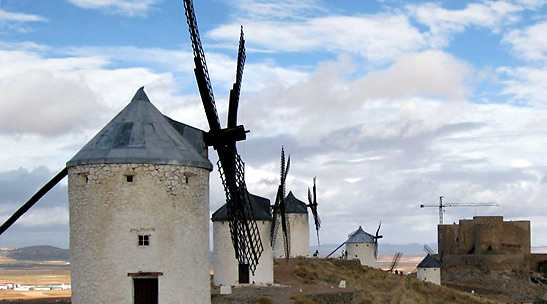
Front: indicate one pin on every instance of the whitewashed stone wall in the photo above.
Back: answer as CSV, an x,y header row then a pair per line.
x,y
226,266
432,275
300,236
362,251
168,202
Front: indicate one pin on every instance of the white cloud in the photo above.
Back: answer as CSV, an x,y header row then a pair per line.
x,y
283,9
331,97
68,94
16,22
128,8
44,217
443,23
376,37
529,43
526,85
430,73
6,16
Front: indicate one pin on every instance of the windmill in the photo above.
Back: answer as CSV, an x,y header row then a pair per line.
x,y
428,250
279,216
312,200
376,237
244,231
442,205
432,253
361,245
429,269
396,258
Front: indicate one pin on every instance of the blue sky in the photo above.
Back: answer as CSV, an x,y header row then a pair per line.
x,y
389,103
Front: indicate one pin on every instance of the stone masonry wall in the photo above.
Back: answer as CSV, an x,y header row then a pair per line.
x,y
108,212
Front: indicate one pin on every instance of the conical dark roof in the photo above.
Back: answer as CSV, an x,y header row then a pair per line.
x,y
260,205
429,262
360,236
294,205
141,134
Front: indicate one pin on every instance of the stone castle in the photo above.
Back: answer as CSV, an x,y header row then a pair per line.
x,y
489,242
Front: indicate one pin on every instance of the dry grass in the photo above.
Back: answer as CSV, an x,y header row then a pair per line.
x,y
264,300
376,286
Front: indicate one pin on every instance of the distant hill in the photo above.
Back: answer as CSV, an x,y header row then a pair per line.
x,y
39,253
409,250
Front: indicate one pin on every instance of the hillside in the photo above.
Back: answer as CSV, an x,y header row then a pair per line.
x,y
37,253
307,281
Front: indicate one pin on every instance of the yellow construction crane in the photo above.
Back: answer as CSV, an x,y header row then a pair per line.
x,y
442,205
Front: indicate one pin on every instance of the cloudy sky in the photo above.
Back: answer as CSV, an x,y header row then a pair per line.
x,y
390,103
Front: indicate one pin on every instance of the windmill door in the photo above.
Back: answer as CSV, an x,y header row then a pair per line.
x,y
243,273
145,290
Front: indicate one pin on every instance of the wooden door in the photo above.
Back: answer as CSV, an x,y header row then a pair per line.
x,y
243,273
145,290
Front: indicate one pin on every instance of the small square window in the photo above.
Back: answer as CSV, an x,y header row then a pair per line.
x,y
129,178
144,240
83,179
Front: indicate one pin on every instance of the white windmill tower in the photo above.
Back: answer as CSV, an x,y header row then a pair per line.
x,y
429,270
362,246
139,202
291,215
296,213
227,272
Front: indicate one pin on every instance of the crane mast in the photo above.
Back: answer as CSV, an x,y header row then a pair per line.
x,y
442,205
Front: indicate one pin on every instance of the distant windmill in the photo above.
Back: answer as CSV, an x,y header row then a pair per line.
x,y
362,245
279,216
376,237
428,249
429,269
442,205
396,258
312,199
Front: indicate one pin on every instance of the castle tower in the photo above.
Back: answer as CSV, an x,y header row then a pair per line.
x,y
139,206
226,267
297,217
360,245
429,270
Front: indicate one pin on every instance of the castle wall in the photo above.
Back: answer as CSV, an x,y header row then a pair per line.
x,y
300,236
448,238
516,237
362,251
486,261
538,262
168,203
226,268
485,234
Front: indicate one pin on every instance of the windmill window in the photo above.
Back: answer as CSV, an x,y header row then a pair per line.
x,y
144,240
83,179
129,178
186,179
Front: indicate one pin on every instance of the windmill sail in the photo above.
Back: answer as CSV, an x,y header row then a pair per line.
x,y
312,200
45,189
243,229
279,208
